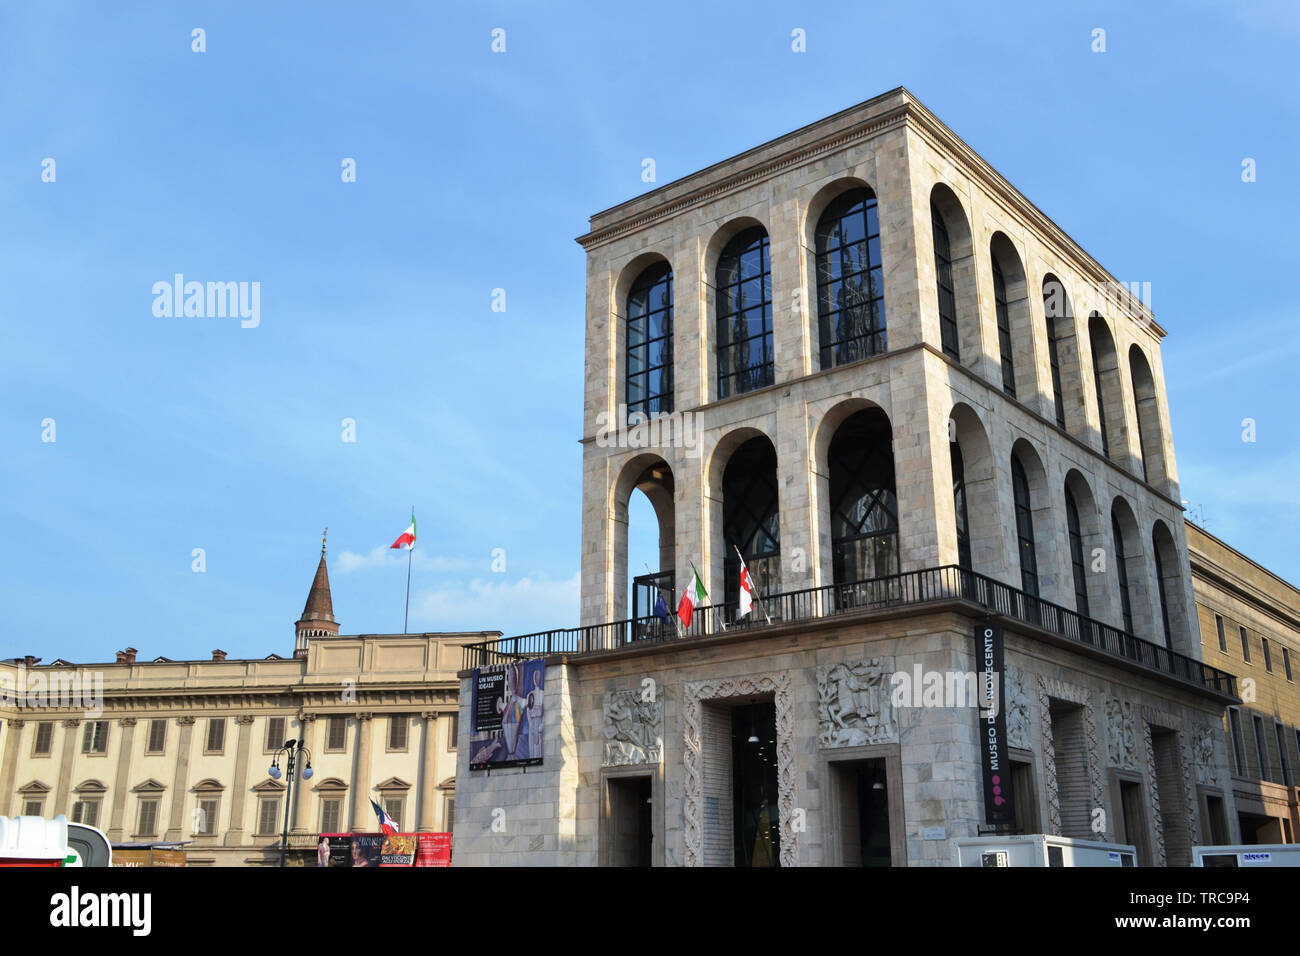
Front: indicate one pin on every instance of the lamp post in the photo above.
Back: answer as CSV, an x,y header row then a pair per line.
x,y
293,750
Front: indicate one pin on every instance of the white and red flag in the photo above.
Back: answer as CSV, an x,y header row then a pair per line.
x,y
406,540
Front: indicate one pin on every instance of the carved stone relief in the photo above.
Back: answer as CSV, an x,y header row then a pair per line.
x,y
853,704
634,729
1121,734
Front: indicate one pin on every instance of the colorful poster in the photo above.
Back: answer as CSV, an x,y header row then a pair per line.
x,y
509,714
398,850
334,849
434,849
367,849
989,651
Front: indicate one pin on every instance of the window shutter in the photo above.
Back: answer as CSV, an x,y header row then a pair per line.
x,y
217,734
157,735
274,733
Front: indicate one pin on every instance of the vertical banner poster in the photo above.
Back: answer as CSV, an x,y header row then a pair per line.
x,y
509,709
992,721
366,849
434,849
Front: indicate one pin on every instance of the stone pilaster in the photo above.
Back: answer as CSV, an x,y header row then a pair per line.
x,y
240,786
14,738
428,772
180,779
121,783
361,781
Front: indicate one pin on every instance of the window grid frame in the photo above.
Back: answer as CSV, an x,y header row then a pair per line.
x,y
834,350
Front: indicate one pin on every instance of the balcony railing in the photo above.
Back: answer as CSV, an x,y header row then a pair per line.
x,y
908,589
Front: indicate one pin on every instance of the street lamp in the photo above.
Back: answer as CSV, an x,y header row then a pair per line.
x,y
293,751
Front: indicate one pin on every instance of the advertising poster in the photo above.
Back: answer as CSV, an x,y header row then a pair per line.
x,y
334,849
989,651
434,849
366,849
398,850
509,712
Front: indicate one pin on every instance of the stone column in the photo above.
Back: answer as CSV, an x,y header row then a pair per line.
x,y
429,772
65,767
9,766
361,779
180,779
122,782
302,793
239,786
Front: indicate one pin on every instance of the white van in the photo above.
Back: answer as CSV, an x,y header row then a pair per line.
x,y
1040,849
1269,854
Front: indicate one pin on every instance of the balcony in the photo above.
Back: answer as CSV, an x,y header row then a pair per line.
x,y
947,584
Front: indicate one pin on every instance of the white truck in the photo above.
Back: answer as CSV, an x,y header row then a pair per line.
x,y
1040,849
1269,854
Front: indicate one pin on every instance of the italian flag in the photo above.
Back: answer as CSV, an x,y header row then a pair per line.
x,y
693,597
407,538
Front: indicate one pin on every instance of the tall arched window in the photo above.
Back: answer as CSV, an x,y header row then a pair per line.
x,y
650,342
864,504
751,519
1164,601
850,283
1121,567
1004,330
1076,554
1024,528
943,280
1055,307
744,287
959,503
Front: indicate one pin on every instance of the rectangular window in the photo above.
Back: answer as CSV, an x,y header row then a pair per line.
x,y
94,739
268,815
1268,658
453,731
393,806
1280,731
1261,747
336,734
1238,742
1286,662
216,736
87,812
331,815
148,822
44,739
33,808
398,725
274,734
1223,639
157,741
1245,646
206,822
449,814
1218,820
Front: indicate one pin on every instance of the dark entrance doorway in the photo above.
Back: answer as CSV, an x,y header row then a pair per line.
x,y
628,817
863,794
755,817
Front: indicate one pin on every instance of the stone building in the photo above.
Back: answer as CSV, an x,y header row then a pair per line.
x,y
179,751
1250,625
858,357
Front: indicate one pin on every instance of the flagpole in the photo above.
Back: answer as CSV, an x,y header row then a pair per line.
x,y
406,617
677,624
761,606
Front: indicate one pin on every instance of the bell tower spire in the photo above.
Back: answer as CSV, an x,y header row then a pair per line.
x,y
318,614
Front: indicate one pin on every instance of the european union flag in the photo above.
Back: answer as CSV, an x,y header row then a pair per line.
x,y
661,608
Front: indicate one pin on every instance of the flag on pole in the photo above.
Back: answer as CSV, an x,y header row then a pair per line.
x,y
661,608
693,597
407,538
386,823
746,590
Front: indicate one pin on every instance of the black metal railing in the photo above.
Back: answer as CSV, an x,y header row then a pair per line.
x,y
908,589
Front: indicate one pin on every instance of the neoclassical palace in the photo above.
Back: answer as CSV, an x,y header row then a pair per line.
x,y
178,751
913,407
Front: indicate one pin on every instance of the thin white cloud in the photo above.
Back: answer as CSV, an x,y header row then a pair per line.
x,y
382,557
520,606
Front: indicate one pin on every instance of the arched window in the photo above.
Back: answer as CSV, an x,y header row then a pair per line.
x,y
650,342
864,504
1148,418
1106,379
959,503
1055,309
1121,567
1024,528
744,288
850,283
1164,603
1004,330
751,519
1076,554
944,282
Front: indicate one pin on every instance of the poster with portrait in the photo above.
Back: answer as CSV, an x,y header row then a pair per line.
x,y
509,709
398,850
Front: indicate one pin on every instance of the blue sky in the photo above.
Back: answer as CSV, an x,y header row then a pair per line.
x,y
475,171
